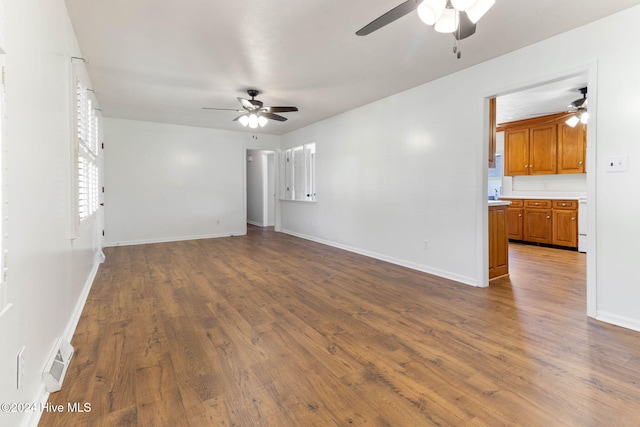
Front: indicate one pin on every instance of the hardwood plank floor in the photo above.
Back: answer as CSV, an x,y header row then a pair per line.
x,y
271,330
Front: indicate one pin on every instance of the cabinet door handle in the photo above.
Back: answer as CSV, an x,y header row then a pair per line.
x,y
519,214
573,219
548,217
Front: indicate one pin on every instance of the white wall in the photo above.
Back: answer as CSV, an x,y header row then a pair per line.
x,y
48,272
412,167
167,182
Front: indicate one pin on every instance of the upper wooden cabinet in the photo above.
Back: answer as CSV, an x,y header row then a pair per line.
x,y
543,146
516,152
543,149
572,146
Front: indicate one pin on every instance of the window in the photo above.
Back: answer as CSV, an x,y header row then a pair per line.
x,y
87,138
299,167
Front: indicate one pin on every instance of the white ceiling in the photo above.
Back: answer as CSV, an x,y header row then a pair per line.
x,y
549,98
163,60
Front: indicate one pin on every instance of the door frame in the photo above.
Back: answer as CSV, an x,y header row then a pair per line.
x,y
276,208
591,72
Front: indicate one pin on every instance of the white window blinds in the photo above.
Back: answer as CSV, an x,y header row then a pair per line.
x,y
299,176
87,133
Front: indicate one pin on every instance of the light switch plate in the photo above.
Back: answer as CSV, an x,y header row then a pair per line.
x,y
617,164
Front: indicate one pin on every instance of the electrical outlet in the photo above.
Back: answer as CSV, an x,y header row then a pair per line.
x,y
20,367
617,164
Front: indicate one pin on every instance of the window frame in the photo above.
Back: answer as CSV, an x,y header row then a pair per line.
x,y
86,145
299,173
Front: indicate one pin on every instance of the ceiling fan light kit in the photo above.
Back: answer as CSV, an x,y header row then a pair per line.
x,y
572,121
447,22
430,10
478,9
457,17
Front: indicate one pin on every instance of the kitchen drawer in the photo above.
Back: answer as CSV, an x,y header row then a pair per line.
x,y
565,204
541,204
515,203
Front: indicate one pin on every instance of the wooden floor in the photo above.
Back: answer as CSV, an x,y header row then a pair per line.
x,y
270,330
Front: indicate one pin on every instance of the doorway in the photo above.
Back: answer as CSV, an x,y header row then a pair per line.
x,y
541,100
261,187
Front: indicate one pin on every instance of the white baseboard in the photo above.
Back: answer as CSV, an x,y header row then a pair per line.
x,y
614,319
434,271
172,239
40,399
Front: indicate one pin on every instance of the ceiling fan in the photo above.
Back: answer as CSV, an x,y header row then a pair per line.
x,y
578,110
576,113
254,113
580,113
458,17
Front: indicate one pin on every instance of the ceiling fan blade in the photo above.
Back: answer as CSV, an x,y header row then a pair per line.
x,y
272,116
465,28
280,109
395,13
222,109
562,117
582,102
248,105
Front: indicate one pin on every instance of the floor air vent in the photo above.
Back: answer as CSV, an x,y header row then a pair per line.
x,y
57,366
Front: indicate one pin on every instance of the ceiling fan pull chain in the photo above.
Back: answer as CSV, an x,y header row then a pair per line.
x,y
456,49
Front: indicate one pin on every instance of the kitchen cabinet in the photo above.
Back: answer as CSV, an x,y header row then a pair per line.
x,y
543,149
565,223
553,222
498,242
543,146
516,152
530,150
572,146
515,216
492,132
537,225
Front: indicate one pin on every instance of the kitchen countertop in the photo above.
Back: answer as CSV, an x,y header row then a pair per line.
x,y
498,202
542,197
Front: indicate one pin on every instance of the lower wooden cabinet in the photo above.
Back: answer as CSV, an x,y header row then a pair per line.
x,y
515,216
498,242
537,221
543,221
537,225
565,223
